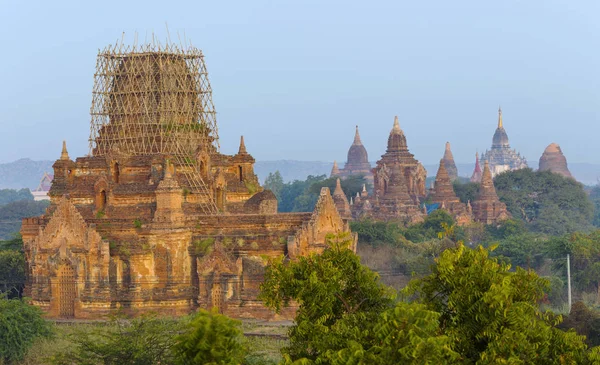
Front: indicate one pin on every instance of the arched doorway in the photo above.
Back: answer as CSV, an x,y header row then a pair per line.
x,y
217,295
66,291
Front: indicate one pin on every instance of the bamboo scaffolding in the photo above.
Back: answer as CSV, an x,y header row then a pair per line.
x,y
155,99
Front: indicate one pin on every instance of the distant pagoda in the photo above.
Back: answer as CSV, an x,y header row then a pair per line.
x,y
357,163
501,157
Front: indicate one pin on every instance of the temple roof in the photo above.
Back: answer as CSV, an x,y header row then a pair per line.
x,y
500,137
396,140
357,154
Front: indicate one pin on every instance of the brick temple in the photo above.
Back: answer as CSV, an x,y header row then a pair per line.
x,y
156,218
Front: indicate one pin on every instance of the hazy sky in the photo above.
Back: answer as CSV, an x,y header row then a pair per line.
x,y
295,77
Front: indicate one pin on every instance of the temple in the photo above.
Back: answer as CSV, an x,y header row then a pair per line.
x,y
476,176
501,157
399,184
357,163
449,163
554,160
156,218
443,195
487,208
41,192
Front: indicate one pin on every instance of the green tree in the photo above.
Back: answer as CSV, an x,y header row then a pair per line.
x,y
350,185
585,321
339,299
585,259
491,314
12,273
297,197
547,202
211,339
20,325
145,340
12,213
12,195
466,191
274,182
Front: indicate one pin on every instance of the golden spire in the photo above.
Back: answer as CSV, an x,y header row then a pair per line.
x,y
64,155
500,117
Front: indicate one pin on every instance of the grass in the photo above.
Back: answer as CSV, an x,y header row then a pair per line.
x,y
262,350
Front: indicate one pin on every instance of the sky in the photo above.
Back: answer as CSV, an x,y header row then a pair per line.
x,y
295,77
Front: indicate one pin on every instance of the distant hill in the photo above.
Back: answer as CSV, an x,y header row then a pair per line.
x,y
25,173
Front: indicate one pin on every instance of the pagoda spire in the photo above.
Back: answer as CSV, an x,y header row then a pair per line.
x,y
357,140
242,149
396,125
500,117
64,155
476,177
335,170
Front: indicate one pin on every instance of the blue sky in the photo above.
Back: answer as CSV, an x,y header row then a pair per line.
x,y
295,77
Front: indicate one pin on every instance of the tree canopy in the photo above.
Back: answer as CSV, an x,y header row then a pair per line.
x,y
547,202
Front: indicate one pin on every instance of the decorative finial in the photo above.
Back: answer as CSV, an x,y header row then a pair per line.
x,y
396,123
64,155
500,117
364,188
168,174
357,137
447,146
242,146
338,187
335,171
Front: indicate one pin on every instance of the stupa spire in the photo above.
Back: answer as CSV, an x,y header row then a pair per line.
x,y
335,170
64,155
357,140
500,118
476,177
242,149
396,125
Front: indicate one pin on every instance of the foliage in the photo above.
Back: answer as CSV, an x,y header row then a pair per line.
x,y
13,195
20,325
491,314
338,298
377,233
274,182
431,226
584,249
585,321
15,243
406,334
350,185
12,213
211,339
466,191
12,273
296,197
145,340
595,198
547,202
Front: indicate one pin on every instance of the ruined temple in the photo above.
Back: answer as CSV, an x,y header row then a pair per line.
x,y
357,163
443,195
399,184
156,218
554,160
487,208
501,157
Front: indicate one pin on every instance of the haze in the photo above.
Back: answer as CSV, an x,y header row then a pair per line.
x,y
296,77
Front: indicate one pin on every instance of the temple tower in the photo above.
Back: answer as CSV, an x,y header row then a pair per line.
x,y
501,157
487,208
476,176
449,163
357,162
554,160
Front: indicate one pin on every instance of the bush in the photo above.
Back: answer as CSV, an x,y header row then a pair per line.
x,y
20,325
141,341
211,338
